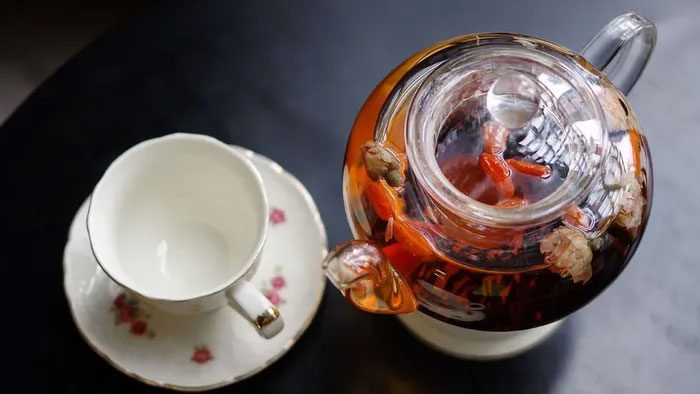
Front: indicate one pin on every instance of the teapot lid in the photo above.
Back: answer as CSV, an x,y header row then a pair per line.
x,y
532,88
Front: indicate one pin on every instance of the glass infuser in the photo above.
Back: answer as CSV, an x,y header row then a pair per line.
x,y
495,183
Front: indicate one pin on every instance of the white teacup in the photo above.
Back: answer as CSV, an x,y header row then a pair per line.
x,y
180,221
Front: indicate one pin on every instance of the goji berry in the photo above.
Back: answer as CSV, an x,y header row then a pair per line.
x,y
412,240
512,202
382,201
530,168
494,166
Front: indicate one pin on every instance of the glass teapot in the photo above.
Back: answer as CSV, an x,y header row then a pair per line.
x,y
497,181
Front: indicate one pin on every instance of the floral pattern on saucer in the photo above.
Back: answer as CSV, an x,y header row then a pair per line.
x,y
127,310
202,355
274,288
218,348
277,216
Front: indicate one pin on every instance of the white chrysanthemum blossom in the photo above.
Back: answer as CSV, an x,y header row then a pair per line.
x,y
568,253
597,243
631,202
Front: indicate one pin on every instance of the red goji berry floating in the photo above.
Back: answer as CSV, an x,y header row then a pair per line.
x,y
530,168
506,187
494,166
412,240
513,202
380,199
400,258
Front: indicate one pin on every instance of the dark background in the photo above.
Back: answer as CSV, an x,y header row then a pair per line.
x,y
286,78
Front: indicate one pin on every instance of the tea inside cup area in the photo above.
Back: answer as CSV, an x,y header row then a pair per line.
x,y
178,217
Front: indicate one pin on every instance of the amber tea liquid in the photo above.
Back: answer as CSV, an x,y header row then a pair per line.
x,y
470,296
473,280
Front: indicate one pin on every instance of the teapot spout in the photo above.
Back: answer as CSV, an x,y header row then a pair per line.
x,y
364,275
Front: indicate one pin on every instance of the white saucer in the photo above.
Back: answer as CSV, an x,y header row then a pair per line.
x,y
205,351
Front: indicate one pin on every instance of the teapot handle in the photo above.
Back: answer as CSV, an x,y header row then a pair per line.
x,y
622,49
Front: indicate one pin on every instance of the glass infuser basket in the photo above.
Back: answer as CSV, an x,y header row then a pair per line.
x,y
497,182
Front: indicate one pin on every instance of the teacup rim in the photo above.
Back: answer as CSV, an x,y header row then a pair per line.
x,y
250,260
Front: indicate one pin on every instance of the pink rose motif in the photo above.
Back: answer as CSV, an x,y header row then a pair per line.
x,y
120,300
277,216
202,355
278,282
274,297
139,327
127,311
127,314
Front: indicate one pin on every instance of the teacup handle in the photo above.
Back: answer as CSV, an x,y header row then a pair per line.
x,y
256,307
622,49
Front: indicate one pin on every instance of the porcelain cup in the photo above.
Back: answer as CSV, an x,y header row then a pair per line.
x,y
180,221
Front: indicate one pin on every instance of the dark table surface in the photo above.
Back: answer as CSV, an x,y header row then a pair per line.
x,y
286,78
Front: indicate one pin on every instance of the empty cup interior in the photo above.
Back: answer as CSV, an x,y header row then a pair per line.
x,y
178,217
